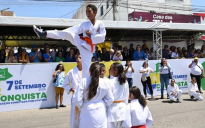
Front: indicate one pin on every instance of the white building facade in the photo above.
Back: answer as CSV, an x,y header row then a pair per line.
x,y
124,7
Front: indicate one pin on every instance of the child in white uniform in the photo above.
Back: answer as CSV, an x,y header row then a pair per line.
x,y
93,33
138,114
74,77
120,89
92,96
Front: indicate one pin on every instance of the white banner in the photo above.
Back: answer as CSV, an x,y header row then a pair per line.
x,y
27,86
31,86
179,69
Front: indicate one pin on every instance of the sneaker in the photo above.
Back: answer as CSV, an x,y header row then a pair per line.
x,y
152,97
57,106
162,97
62,105
39,32
178,101
167,96
146,98
201,92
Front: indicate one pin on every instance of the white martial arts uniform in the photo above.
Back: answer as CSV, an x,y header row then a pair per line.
x,y
72,34
93,112
73,77
116,111
175,88
192,88
136,115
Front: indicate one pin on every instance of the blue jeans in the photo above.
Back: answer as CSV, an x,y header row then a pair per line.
x,y
164,79
130,82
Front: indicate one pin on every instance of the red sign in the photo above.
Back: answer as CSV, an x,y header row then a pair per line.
x,y
151,17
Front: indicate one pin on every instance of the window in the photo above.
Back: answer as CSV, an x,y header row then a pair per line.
x,y
107,6
101,10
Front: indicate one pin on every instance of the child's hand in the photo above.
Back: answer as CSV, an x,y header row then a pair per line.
x,y
88,34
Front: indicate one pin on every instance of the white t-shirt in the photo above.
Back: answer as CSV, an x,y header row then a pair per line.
x,y
174,55
146,73
195,70
129,73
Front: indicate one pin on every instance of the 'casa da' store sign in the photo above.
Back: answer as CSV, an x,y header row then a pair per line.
x,y
151,17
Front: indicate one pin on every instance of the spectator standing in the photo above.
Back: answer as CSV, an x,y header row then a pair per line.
x,y
197,71
192,54
165,52
164,69
145,45
193,90
139,54
23,56
199,54
146,70
48,57
118,56
70,57
186,54
17,54
181,56
103,55
174,92
179,50
59,77
152,54
55,52
11,58
35,56
183,49
125,53
175,54
2,55
131,51
109,55
60,57
147,53
96,54
203,49
129,70
43,51
65,51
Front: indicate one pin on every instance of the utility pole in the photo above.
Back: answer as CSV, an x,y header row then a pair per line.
x,y
114,10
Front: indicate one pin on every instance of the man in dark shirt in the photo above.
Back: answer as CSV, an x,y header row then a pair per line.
x,y
125,53
131,51
165,52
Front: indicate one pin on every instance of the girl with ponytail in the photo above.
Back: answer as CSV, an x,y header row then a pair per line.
x,y
116,112
140,116
92,96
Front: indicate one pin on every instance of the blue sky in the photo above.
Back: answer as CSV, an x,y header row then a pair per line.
x,y
28,8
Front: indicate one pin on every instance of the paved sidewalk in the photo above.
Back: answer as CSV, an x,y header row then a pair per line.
x,y
188,114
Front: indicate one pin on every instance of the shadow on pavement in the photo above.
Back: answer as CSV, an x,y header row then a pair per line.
x,y
168,101
189,100
54,107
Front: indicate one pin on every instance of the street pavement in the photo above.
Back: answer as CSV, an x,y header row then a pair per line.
x,y
188,114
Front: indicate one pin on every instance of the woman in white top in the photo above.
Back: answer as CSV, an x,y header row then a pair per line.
x,y
118,56
92,96
193,90
116,112
164,69
146,70
129,70
138,114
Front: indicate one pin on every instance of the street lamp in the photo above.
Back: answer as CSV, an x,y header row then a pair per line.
x,y
4,9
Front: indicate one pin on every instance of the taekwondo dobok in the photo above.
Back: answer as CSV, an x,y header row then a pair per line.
x,y
73,77
85,44
174,92
194,91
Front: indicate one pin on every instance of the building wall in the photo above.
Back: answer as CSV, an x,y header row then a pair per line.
x,y
162,6
159,6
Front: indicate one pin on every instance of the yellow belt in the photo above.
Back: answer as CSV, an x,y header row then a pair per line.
x,y
76,112
118,101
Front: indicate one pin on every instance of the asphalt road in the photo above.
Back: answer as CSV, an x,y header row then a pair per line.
x,y
188,114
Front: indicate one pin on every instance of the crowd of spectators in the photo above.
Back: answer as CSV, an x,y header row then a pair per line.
x,y
117,53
